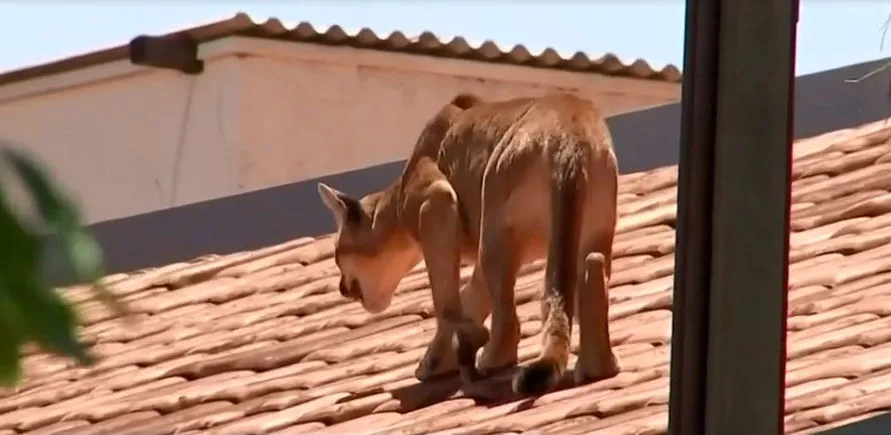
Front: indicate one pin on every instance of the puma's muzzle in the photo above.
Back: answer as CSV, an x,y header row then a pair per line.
x,y
351,289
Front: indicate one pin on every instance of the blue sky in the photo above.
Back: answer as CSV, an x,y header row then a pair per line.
x,y
832,33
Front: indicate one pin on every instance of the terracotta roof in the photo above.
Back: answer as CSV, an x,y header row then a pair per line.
x,y
261,341
426,43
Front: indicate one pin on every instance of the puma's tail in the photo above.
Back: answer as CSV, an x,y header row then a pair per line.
x,y
538,377
543,374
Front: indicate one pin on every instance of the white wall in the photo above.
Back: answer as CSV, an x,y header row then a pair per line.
x,y
129,140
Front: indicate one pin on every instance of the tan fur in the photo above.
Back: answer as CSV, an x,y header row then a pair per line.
x,y
500,184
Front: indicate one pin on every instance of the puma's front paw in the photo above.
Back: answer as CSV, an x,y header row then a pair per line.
x,y
470,337
439,360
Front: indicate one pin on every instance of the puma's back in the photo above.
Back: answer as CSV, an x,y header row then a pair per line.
x,y
521,144
468,129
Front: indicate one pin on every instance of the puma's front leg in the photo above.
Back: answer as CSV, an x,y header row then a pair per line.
x,y
440,357
439,228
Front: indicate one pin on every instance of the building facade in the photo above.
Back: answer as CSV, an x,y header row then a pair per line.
x,y
272,105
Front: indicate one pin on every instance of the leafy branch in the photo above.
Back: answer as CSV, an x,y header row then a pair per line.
x,y
30,309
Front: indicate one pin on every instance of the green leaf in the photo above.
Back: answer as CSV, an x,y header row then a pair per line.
x,y
85,257
44,316
82,253
10,342
10,363
52,323
29,308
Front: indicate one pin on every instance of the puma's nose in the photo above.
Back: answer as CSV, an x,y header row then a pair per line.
x,y
356,289
344,291
351,289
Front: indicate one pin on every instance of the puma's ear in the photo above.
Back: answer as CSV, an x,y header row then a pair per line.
x,y
342,206
333,199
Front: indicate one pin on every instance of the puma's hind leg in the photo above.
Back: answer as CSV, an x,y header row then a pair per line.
x,y
501,352
596,359
499,266
561,276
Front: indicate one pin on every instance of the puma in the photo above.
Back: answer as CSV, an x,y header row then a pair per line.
x,y
498,184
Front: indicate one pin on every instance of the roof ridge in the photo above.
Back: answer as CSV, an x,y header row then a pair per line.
x,y
428,42
425,43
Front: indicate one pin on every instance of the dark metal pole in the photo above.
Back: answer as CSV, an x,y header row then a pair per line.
x,y
728,346
693,237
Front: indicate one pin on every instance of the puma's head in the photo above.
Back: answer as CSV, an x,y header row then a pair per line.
x,y
372,254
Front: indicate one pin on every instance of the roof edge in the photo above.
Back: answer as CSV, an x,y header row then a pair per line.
x,y
427,44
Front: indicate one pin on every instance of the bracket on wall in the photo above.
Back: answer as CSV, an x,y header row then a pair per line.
x,y
175,52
